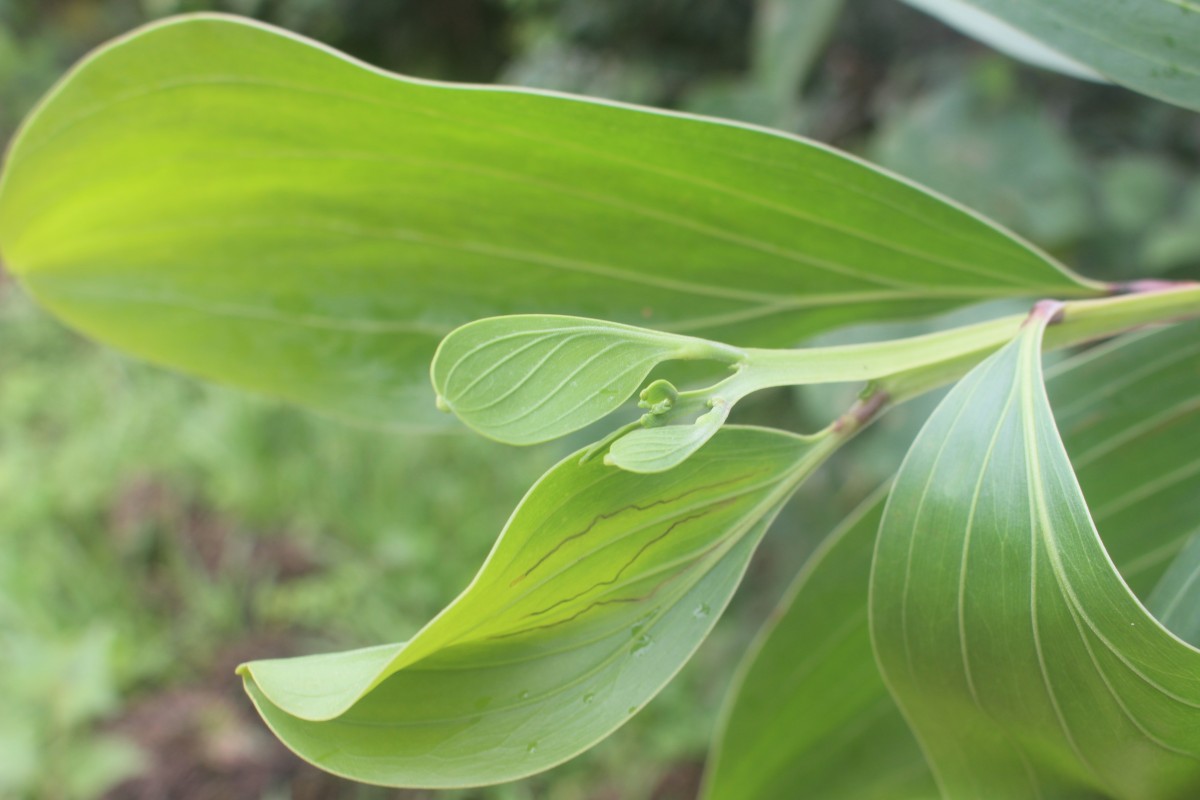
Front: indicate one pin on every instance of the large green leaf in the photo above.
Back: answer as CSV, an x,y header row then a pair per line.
x,y
1152,46
233,201
1020,656
600,588
809,707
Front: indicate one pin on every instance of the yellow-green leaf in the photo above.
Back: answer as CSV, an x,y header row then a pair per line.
x,y
597,592
231,200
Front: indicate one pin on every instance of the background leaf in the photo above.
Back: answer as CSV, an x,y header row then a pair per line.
x,y
1018,653
993,31
598,591
808,713
1151,46
1175,601
241,204
836,713
995,152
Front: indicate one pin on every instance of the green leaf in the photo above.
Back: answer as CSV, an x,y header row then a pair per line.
x,y
808,714
1151,46
597,592
808,702
250,207
657,449
968,18
526,379
1002,156
788,39
1175,601
1020,656
533,378
1135,402
530,378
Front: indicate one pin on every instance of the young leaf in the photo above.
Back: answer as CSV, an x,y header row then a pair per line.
x,y
233,201
532,378
600,588
1021,658
836,706
529,378
1151,46
658,449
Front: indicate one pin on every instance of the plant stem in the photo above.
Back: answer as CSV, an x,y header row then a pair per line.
x,y
907,367
1080,321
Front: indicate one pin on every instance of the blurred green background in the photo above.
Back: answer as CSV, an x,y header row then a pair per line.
x,y
155,532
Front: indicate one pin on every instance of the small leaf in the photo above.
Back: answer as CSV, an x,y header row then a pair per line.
x,y
660,448
600,588
1023,661
659,397
528,379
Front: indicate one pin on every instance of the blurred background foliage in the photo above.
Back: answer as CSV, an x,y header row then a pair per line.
x,y
155,532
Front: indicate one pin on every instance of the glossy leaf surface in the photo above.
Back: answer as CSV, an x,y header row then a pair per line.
x,y
809,707
1025,664
236,202
598,591
1152,46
